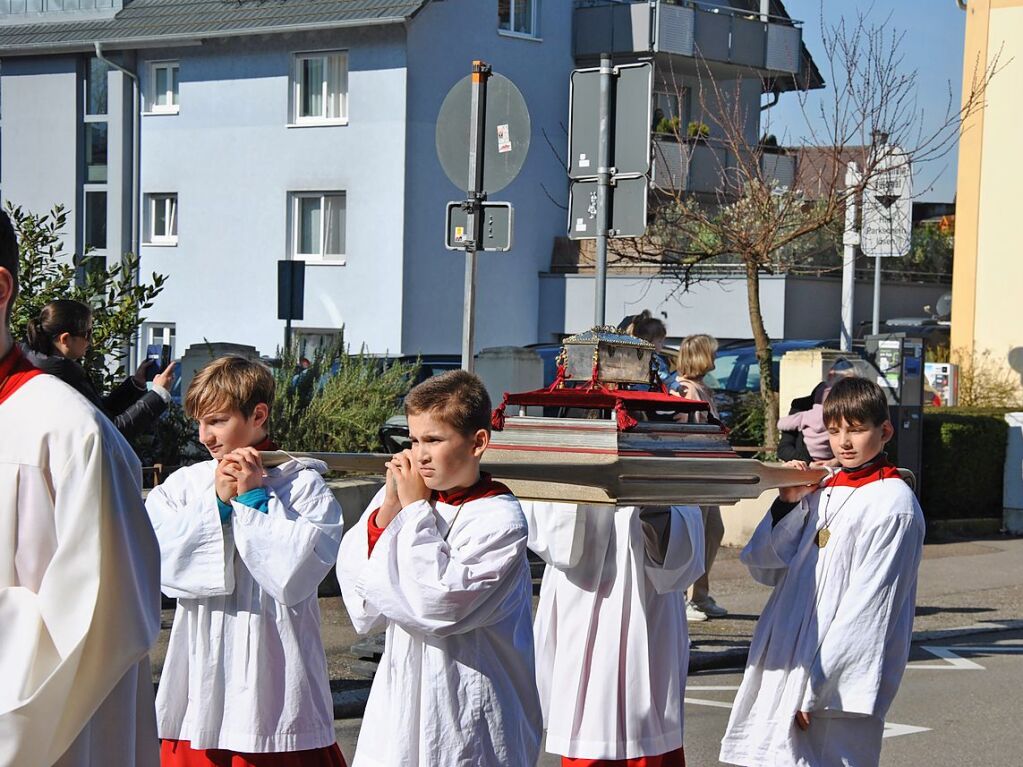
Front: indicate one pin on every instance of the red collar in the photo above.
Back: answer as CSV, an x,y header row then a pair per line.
x,y
266,444
872,472
485,487
15,372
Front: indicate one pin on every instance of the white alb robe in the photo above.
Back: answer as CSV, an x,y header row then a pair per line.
x,y
455,683
245,668
835,635
612,642
79,587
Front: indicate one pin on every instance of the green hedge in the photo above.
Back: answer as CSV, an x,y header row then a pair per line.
x,y
963,463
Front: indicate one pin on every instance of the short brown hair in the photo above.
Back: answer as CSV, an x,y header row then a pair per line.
x,y
457,397
228,383
856,401
9,255
696,355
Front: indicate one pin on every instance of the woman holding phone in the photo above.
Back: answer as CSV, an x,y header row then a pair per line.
x,y
60,337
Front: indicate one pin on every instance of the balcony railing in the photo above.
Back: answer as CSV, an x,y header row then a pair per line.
x,y
30,10
707,166
691,28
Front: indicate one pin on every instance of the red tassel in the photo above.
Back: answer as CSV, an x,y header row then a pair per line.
x,y
497,417
625,421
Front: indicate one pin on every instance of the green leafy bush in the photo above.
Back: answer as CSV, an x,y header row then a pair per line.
x,y
963,463
338,403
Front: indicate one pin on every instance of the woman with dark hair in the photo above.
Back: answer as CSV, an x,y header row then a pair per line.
x,y
56,342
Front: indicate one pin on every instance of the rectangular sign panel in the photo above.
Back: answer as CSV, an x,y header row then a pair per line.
x,y
628,202
496,226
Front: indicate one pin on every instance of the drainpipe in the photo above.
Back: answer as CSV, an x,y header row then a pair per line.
x,y
135,174
775,95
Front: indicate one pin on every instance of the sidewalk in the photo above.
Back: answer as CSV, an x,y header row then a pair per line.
x,y
965,587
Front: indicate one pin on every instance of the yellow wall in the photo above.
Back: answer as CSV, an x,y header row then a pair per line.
x,y
987,293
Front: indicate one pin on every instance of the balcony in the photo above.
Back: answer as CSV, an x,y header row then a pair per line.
x,y
704,167
35,11
716,34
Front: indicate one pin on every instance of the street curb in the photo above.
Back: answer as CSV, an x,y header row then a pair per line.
x,y
986,627
350,704
732,658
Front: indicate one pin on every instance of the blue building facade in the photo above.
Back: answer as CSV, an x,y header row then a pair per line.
x,y
284,139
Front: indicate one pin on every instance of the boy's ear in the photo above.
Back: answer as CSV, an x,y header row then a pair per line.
x,y
480,442
259,414
6,293
887,431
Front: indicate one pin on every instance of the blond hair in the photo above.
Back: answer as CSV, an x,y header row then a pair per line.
x,y
229,383
696,356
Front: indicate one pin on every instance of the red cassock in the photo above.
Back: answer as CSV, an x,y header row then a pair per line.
x,y
179,753
676,758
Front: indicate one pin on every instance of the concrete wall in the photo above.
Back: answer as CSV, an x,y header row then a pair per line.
x,y
443,40
232,159
793,307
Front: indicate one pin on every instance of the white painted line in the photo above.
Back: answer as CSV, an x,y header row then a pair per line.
x,y
893,730
711,687
954,660
702,702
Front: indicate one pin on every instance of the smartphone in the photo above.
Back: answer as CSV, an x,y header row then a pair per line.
x,y
161,356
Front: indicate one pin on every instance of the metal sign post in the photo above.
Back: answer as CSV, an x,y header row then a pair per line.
x,y
850,239
476,195
497,133
887,211
608,159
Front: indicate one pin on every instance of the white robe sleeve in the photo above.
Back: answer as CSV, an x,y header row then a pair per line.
x,y
351,562
773,546
556,532
196,550
683,553
863,654
288,555
417,580
95,615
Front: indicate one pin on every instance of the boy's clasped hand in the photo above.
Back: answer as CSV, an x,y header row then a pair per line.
x,y
238,472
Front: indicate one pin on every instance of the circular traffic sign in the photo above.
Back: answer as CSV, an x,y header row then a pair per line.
x,y
506,140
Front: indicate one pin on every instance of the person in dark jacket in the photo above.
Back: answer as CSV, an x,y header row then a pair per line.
x,y
59,338
791,443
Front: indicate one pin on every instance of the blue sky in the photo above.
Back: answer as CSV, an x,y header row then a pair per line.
x,y
933,46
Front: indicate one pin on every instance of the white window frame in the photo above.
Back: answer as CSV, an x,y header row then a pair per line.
x,y
168,199
167,335
155,107
295,203
298,120
86,189
533,34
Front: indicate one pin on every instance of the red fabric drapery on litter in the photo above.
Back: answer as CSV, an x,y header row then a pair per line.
x,y
593,395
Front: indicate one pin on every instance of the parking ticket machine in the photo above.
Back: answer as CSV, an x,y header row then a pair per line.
x,y
899,359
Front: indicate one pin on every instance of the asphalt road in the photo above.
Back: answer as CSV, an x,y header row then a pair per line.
x,y
959,706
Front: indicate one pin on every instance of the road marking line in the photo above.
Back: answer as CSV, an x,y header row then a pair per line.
x,y
703,702
893,730
955,662
711,687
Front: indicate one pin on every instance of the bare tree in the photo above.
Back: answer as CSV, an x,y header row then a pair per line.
x,y
759,226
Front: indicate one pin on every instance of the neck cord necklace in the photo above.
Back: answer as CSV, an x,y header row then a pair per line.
x,y
451,524
824,534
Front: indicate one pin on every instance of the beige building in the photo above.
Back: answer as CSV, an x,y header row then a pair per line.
x,y
987,288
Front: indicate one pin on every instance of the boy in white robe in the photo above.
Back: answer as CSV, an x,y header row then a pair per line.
x,y
439,561
830,648
244,550
612,640
79,572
